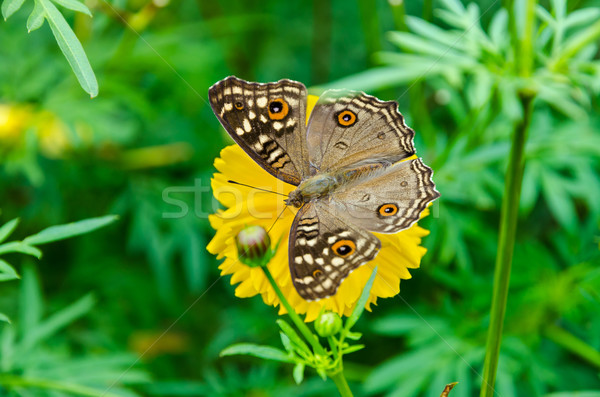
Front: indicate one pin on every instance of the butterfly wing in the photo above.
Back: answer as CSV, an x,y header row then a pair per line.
x,y
349,127
268,121
390,200
324,249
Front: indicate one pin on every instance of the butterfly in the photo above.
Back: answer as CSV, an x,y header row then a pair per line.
x,y
346,166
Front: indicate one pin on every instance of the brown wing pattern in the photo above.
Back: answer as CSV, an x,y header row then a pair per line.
x,y
349,127
267,121
324,249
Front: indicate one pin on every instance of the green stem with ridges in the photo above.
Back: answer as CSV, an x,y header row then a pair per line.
x,y
506,242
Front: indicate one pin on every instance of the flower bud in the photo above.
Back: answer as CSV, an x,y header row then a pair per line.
x,y
254,246
328,324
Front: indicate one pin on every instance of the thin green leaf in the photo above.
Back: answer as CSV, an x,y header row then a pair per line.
x,y
362,301
298,373
9,7
353,348
294,337
582,17
285,340
250,349
59,320
9,273
61,232
71,48
21,247
36,18
75,6
8,228
4,318
8,269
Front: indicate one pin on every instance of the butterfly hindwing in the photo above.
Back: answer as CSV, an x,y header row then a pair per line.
x,y
350,127
324,249
267,121
389,201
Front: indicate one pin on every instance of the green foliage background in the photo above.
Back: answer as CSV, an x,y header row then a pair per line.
x,y
84,314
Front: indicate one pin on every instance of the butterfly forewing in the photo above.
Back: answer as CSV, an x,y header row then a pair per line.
x,y
267,121
324,249
350,127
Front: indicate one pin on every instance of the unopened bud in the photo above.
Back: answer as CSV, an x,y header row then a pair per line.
x,y
254,246
328,324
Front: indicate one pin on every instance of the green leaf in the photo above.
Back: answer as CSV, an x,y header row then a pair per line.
x,y
71,48
362,301
298,373
9,7
36,18
4,318
250,349
21,247
61,232
353,348
293,336
75,6
286,343
7,272
8,228
58,320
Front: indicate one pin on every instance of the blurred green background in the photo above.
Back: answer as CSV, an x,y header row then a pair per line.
x,y
84,313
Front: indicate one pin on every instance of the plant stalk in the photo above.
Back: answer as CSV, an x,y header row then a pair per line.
x,y
338,374
506,242
340,381
308,335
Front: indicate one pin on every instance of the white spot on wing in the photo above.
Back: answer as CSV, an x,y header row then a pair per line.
x,y
247,126
228,106
298,260
337,261
261,102
237,90
263,118
251,115
308,258
239,131
277,125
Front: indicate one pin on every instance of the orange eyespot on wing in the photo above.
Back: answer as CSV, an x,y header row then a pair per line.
x,y
239,105
344,248
278,109
317,273
346,118
388,209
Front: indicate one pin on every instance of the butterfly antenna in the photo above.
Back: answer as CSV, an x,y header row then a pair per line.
x,y
278,216
257,188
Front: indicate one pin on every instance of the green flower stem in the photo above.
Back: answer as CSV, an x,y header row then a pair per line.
x,y
340,381
573,344
336,375
506,242
308,335
526,42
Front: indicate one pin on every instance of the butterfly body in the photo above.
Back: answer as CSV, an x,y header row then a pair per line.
x,y
351,163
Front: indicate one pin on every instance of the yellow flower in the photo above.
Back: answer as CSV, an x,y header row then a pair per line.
x,y
247,206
